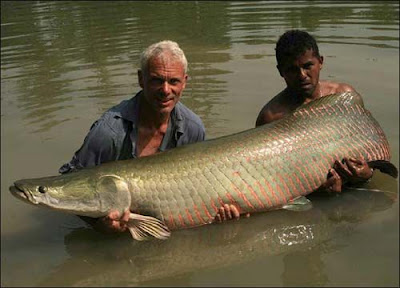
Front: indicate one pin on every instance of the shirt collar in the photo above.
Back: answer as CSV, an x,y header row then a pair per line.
x,y
130,111
178,119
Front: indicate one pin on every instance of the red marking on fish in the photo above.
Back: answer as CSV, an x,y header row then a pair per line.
x,y
171,221
213,205
189,217
241,195
181,220
286,186
196,210
206,210
302,189
264,193
272,191
233,201
221,202
283,197
261,204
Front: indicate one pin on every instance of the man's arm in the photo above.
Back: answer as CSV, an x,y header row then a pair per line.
x,y
96,149
274,110
264,117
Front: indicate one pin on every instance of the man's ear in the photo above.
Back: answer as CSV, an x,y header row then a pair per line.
x,y
140,78
185,81
321,62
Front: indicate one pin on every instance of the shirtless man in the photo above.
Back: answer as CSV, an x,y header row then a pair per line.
x,y
299,63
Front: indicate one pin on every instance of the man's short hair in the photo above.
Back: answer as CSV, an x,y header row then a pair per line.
x,y
160,49
294,43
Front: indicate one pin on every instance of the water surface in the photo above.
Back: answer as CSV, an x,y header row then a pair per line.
x,y
64,63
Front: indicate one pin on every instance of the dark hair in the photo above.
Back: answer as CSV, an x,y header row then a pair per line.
x,y
294,43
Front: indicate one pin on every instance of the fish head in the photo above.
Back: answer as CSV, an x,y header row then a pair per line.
x,y
80,193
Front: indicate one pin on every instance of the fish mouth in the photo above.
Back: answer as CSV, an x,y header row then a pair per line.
x,y
22,194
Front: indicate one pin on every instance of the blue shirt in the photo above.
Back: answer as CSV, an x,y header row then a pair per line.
x,y
114,136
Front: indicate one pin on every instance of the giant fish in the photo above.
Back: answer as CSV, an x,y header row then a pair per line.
x,y
265,168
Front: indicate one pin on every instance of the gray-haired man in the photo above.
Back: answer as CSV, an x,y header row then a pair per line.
x,y
152,121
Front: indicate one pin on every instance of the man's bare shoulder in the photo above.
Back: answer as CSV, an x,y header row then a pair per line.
x,y
329,87
273,110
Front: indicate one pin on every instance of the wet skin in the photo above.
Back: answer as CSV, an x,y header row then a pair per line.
x,y
162,84
302,76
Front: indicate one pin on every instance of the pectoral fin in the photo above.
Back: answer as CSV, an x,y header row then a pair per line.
x,y
143,227
300,203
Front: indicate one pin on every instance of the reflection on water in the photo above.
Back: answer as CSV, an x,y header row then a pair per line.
x,y
63,63
63,51
119,261
56,53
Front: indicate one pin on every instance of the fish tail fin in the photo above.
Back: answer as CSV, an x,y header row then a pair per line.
x,y
385,167
143,227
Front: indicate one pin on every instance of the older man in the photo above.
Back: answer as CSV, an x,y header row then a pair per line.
x,y
152,121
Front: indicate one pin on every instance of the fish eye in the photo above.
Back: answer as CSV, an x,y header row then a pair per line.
x,y
42,189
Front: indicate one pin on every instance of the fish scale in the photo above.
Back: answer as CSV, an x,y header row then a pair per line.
x,y
257,164
257,170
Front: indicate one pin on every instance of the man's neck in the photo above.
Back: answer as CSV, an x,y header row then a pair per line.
x,y
150,119
294,98
151,130
298,99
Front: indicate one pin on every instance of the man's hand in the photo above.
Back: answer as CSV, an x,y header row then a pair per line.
x,y
353,170
350,171
228,212
113,222
334,182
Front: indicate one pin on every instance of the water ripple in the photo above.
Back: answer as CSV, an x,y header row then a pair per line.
x,y
60,54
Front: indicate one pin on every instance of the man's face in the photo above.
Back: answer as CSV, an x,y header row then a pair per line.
x,y
163,83
302,74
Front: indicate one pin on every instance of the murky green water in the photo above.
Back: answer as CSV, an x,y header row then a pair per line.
x,y
64,63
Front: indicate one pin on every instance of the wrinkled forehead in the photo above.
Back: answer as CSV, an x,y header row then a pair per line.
x,y
165,58
165,66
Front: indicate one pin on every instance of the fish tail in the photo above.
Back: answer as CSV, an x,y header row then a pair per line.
x,y
385,167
